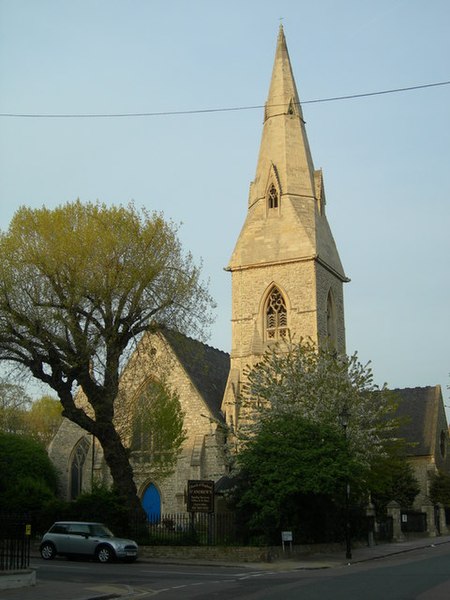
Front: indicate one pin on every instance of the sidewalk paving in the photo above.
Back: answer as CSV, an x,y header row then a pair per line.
x,y
365,553
320,560
48,590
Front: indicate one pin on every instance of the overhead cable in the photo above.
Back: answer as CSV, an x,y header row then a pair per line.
x,y
211,110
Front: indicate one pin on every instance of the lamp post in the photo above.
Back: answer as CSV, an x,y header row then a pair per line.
x,y
344,417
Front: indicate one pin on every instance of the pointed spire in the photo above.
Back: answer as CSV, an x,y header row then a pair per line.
x,y
283,96
284,144
286,218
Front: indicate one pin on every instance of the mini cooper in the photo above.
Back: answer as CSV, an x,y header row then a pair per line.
x,y
94,540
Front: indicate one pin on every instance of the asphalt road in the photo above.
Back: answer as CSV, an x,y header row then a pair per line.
x,y
422,574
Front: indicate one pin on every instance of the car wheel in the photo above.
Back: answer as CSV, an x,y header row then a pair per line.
x,y
48,551
104,554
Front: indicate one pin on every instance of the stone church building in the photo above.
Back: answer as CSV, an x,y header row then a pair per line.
x,y
287,277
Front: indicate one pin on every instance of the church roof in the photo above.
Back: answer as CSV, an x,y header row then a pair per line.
x,y
422,411
206,367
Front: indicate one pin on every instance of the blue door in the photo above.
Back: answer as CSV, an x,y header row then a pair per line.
x,y
151,502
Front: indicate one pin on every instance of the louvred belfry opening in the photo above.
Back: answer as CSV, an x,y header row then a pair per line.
x,y
273,197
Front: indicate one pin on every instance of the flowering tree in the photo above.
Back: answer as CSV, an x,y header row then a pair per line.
x,y
322,387
313,424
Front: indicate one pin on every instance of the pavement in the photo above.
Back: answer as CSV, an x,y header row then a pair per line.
x,y
49,590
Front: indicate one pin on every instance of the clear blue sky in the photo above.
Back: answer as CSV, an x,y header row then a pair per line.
x,y
385,158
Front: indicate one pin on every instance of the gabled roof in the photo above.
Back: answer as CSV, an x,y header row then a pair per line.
x,y
422,409
206,367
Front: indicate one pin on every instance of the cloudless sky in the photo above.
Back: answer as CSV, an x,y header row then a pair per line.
x,y
385,159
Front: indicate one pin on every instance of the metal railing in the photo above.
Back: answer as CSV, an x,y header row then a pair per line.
x,y
15,534
183,529
413,521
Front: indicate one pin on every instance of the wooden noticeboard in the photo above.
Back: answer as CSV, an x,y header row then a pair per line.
x,y
200,496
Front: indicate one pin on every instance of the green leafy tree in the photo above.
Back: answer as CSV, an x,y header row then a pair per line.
x,y
156,428
391,477
292,475
27,477
43,419
297,391
334,390
14,403
78,285
440,489
100,504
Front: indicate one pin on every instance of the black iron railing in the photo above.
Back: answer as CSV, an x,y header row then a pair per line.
x,y
15,535
202,529
413,521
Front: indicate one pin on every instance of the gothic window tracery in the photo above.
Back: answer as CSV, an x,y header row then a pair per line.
x,y
76,468
276,316
143,435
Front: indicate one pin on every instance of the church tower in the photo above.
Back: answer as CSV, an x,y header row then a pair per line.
x,y
287,277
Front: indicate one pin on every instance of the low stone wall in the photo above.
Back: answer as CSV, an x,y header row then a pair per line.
x,y
238,554
234,553
224,553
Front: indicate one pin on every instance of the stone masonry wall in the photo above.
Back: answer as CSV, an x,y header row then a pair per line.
x,y
201,454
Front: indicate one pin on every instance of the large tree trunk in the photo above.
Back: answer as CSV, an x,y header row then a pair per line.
x,y
119,464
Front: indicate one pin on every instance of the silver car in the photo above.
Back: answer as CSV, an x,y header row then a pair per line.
x,y
73,538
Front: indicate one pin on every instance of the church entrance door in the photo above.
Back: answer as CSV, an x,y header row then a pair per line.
x,y
151,503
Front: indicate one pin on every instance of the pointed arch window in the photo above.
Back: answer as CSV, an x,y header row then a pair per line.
x,y
276,321
76,468
331,322
157,429
143,433
272,197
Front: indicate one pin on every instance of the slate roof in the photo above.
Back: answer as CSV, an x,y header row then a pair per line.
x,y
207,368
420,408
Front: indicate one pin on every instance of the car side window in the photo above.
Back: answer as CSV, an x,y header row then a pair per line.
x,y
79,529
59,529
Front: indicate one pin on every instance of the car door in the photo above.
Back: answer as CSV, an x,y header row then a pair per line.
x,y
59,536
79,540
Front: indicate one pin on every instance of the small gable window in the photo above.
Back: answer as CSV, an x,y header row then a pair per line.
x,y
272,200
275,316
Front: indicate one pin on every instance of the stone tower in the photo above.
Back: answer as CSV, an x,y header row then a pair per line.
x,y
286,272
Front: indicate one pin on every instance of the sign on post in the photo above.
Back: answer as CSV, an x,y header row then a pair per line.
x,y
286,536
200,496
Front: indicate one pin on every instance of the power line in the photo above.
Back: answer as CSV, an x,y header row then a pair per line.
x,y
379,93
213,110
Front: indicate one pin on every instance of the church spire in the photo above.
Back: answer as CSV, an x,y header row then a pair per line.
x,y
284,141
287,277
282,91
286,207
